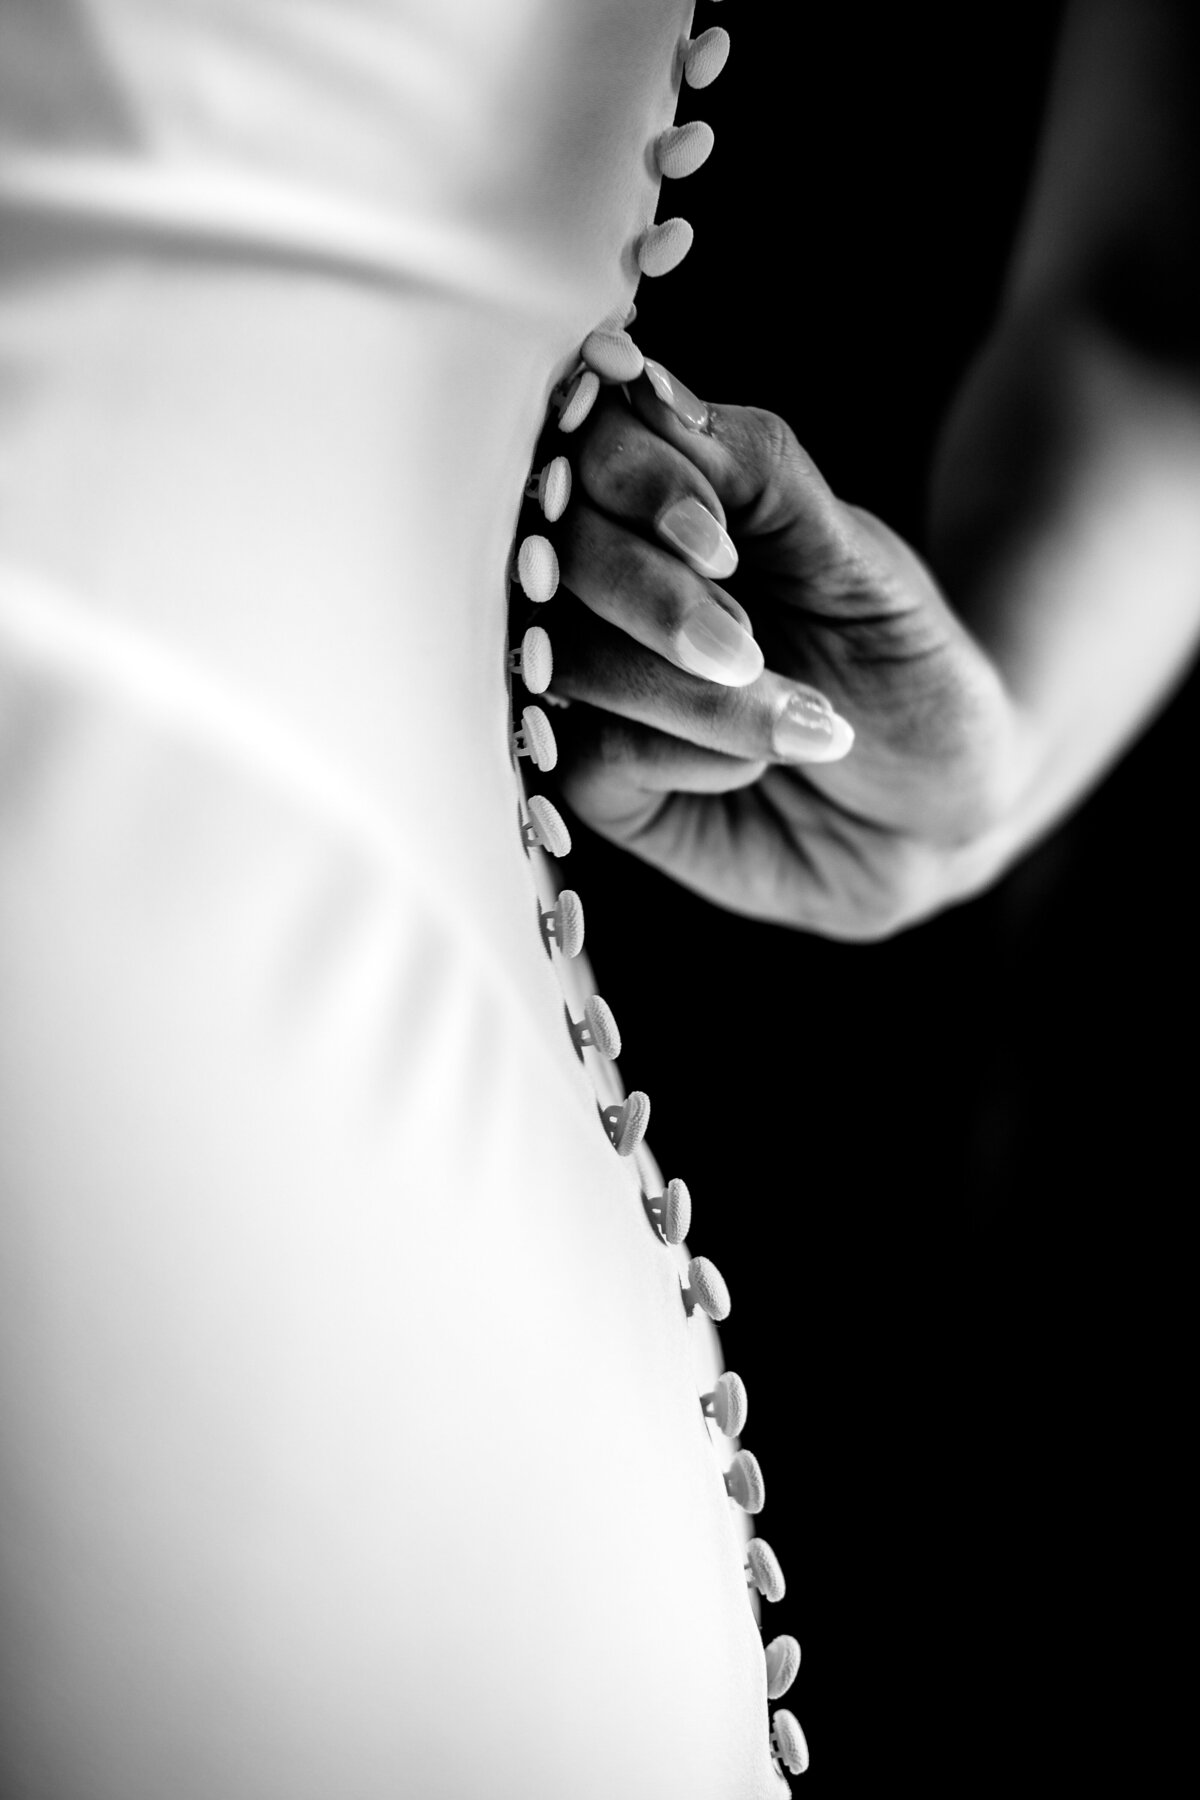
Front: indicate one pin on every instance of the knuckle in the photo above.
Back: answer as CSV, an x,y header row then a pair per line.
x,y
781,447
771,465
779,454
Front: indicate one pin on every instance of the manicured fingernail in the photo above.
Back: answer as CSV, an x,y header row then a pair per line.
x,y
694,531
808,730
712,644
681,400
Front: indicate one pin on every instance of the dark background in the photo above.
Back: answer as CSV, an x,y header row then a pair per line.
x,y
947,1176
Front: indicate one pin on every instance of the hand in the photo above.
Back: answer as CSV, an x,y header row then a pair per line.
x,y
742,780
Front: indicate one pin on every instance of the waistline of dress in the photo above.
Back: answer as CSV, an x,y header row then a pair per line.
x,y
223,211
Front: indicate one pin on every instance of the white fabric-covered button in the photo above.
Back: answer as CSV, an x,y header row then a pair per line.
x,y
626,1124
581,397
783,1665
534,661
682,149
536,739
613,355
546,827
728,1404
551,488
671,1211
706,1289
597,1030
537,569
663,247
788,1743
706,56
562,924
744,1482
763,1571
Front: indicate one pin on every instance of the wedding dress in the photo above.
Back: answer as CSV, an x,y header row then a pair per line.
x,y
354,1439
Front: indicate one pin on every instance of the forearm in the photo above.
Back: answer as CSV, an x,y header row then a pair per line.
x,y
1065,527
1066,532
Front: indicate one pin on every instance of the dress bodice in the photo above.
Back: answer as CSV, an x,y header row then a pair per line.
x,y
401,1481
361,244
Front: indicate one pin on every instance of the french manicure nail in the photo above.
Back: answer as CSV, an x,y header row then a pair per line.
x,y
693,530
808,730
671,391
712,644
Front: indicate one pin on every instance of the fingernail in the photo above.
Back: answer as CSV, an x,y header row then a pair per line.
x,y
694,531
681,400
712,644
808,730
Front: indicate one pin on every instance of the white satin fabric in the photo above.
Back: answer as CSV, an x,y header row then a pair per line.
x,y
349,1420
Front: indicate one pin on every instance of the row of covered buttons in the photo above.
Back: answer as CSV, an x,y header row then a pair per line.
x,y
782,1657
536,572
680,151
728,1406
609,353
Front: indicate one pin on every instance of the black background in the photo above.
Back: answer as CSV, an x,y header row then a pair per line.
x,y
948,1177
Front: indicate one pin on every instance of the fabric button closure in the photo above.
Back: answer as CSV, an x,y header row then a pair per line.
x,y
783,1665
562,923
613,355
706,1289
682,149
534,661
545,827
626,1124
728,1404
609,354
535,739
663,247
788,1742
744,1482
763,1570
705,57
671,1211
597,1030
537,569
551,488
581,397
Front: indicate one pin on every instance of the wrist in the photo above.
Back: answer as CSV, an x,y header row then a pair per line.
x,y
1003,825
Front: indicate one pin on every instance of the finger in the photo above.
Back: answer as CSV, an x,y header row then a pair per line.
x,y
770,720
609,766
750,457
627,780
674,468
689,474
632,473
656,599
704,819
828,559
